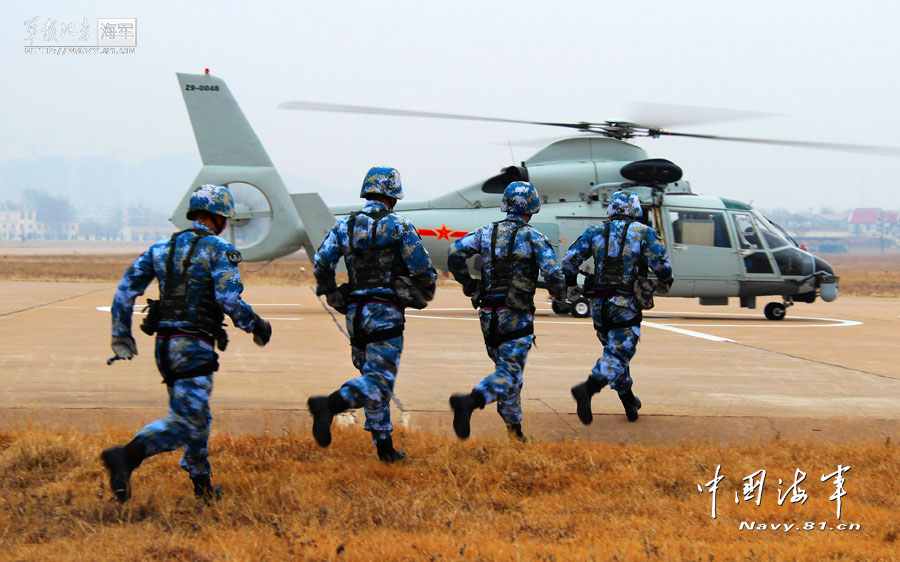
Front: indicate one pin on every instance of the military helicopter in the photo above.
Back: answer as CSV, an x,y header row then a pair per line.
x,y
719,248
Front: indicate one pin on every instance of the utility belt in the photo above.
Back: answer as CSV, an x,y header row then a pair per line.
x,y
605,324
166,334
361,338
593,290
493,337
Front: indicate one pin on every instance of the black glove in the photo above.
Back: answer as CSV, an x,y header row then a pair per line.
x,y
262,331
337,298
124,347
471,286
557,288
426,285
663,285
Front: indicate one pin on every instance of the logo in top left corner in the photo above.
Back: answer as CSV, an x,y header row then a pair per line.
x,y
117,32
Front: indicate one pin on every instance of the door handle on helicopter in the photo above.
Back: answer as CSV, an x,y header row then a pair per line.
x,y
679,247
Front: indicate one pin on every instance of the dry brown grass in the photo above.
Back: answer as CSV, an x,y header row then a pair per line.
x,y
872,275
480,500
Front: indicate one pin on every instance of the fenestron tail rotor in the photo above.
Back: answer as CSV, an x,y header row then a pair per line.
x,y
660,115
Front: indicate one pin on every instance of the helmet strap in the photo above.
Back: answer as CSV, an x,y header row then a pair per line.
x,y
389,201
213,221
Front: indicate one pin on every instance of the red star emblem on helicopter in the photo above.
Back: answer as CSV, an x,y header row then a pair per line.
x,y
443,233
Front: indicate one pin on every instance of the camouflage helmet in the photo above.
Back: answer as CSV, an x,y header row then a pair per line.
x,y
382,181
212,198
625,203
521,197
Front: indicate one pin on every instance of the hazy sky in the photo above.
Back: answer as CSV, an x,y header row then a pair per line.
x,y
828,69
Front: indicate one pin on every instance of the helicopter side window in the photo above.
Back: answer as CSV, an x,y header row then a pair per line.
x,y
700,228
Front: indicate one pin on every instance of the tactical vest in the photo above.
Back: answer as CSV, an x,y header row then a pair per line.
x,y
610,279
507,288
180,288
611,276
503,269
369,270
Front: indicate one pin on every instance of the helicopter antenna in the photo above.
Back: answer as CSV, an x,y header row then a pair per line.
x,y
512,155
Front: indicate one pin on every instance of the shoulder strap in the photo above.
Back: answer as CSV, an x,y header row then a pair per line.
x,y
170,261
624,236
351,226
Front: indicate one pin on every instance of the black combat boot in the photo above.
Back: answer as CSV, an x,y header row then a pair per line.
x,y
582,394
514,432
323,410
631,403
204,490
120,462
463,405
386,451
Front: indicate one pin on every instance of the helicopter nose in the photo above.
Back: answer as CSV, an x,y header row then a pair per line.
x,y
827,280
823,266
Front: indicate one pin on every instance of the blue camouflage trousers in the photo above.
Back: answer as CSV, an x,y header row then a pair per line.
x,y
619,344
187,425
504,385
377,364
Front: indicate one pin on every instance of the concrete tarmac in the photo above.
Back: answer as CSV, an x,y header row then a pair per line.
x,y
829,372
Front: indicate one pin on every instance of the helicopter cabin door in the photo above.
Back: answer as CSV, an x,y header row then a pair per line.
x,y
704,261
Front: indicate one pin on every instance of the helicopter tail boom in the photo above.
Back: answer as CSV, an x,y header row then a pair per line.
x,y
232,155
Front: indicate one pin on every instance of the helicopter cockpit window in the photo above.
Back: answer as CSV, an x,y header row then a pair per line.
x,y
748,239
773,236
701,228
756,259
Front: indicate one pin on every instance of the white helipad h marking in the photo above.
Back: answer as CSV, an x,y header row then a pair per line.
x,y
691,333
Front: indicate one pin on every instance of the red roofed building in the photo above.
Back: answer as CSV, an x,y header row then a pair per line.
x,y
872,221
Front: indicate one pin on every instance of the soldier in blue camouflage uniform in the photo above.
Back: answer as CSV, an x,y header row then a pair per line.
x,y
512,252
616,316
389,269
199,282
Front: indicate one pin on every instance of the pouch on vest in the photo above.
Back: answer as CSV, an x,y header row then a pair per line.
x,y
151,321
408,292
643,293
521,294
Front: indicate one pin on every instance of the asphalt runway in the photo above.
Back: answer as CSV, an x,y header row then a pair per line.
x,y
828,372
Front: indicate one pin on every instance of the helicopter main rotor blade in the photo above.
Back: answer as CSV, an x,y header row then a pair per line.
x,y
873,149
341,108
660,115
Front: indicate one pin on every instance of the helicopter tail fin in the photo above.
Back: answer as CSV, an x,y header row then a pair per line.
x,y
232,155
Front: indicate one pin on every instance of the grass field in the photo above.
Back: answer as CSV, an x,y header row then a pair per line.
x,y
872,275
481,500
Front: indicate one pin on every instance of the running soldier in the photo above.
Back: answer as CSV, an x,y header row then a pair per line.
x,y
389,270
512,252
199,282
622,249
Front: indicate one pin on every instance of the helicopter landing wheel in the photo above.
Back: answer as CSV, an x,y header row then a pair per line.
x,y
581,308
775,311
560,307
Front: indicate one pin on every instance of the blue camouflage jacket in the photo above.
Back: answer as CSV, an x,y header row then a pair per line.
x,y
211,259
392,230
529,246
640,244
